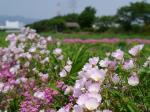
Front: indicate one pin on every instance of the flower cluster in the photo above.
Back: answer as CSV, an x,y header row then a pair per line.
x,y
21,75
36,80
98,75
66,69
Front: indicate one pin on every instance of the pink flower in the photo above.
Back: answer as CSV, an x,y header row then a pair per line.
x,y
91,104
68,90
94,88
68,68
133,80
40,95
96,74
115,78
57,51
118,54
44,77
77,108
104,63
135,50
107,110
63,73
94,60
89,100
128,65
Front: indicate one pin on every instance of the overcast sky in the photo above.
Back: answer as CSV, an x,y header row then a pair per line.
x,y
41,9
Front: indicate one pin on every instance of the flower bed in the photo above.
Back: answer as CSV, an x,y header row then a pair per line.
x,y
34,78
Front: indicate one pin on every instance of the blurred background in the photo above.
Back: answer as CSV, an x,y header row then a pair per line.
x,y
78,18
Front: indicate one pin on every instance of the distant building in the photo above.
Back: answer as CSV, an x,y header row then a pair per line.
x,y
12,26
72,25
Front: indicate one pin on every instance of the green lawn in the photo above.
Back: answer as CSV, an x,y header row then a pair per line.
x,y
94,35
2,39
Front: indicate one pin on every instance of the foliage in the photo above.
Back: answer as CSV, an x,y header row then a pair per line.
x,y
73,17
86,18
104,23
55,24
135,13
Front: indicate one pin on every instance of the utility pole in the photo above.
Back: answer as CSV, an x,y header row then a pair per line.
x,y
58,9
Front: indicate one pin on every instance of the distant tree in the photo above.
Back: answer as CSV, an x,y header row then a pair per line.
x,y
124,17
73,17
86,18
104,23
138,12
54,24
141,11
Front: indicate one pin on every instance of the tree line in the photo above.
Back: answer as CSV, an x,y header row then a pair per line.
x,y
134,17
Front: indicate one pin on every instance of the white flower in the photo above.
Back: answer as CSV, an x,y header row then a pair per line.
x,y
91,104
19,80
62,110
94,88
96,74
97,96
104,63
45,60
63,73
77,108
82,99
133,80
57,51
94,60
115,78
28,55
40,95
23,79
32,49
147,63
107,110
69,62
118,54
128,65
14,69
87,66
42,110
7,88
136,49
43,76
68,90
68,68
61,57
49,38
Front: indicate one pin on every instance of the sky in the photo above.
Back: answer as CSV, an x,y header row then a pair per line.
x,y
42,9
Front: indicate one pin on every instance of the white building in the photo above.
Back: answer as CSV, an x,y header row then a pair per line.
x,y
12,26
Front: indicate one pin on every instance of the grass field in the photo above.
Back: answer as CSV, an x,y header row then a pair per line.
x,y
125,98
94,35
2,39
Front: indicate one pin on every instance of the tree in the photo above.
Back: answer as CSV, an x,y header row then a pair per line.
x,y
73,17
54,24
138,12
124,17
104,22
141,12
86,18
